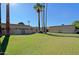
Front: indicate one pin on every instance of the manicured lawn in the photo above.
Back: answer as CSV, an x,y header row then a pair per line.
x,y
43,44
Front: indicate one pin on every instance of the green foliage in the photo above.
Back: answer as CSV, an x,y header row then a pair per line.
x,y
38,7
76,24
21,23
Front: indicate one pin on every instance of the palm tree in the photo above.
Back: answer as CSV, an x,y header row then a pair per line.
x,y
43,18
7,20
38,7
0,21
46,5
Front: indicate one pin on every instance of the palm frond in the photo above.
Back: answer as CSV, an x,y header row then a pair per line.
x,y
39,7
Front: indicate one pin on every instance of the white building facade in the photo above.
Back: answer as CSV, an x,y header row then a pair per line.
x,y
18,29
62,29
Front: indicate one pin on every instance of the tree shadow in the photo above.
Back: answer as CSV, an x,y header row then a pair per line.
x,y
4,45
61,35
0,36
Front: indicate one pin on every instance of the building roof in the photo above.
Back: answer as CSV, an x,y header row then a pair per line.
x,y
17,25
61,26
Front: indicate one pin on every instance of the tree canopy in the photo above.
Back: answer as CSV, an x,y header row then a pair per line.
x,y
21,23
38,7
76,24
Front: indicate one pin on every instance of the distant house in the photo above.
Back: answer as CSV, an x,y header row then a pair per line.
x,y
63,29
18,29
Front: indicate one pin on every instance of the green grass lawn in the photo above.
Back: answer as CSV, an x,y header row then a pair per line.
x,y
42,44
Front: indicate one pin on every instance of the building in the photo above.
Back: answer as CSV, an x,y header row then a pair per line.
x,y
18,29
62,29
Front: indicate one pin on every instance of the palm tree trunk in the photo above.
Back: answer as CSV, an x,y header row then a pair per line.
x,y
7,20
0,21
46,19
43,23
38,21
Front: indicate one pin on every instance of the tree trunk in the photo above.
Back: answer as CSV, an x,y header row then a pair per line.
x,y
43,22
46,19
38,21
7,20
0,21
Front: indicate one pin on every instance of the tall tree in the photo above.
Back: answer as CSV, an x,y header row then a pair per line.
x,y
38,7
43,17
0,21
7,20
46,5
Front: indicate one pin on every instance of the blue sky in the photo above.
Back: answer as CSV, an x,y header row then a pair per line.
x,y
57,13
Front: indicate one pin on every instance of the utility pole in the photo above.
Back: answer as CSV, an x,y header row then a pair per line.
x,y
7,20
0,28
0,21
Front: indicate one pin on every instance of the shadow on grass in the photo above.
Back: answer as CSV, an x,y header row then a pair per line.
x,y
1,36
4,45
61,35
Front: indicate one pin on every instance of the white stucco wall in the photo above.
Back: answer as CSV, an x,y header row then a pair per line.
x,y
18,29
62,29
